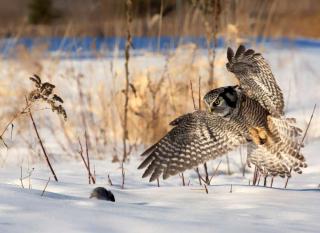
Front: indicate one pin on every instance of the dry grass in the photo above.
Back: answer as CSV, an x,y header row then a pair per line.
x,y
94,91
93,95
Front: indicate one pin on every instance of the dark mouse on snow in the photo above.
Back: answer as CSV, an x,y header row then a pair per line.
x,y
102,194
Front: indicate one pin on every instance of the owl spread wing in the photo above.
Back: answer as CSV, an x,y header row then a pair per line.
x,y
195,138
256,78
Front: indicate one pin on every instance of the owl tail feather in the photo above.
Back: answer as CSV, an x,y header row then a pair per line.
x,y
287,142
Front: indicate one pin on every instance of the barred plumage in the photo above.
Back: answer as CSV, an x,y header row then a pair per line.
x,y
280,147
256,79
251,114
195,138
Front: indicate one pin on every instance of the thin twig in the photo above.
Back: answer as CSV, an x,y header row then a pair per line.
x,y
123,174
287,180
271,184
109,180
127,56
94,172
23,111
41,144
199,92
21,180
206,188
3,142
193,101
199,107
199,176
255,176
29,174
302,140
228,165
160,24
85,163
259,179
215,172
82,103
87,154
12,126
183,181
127,85
265,181
207,181
194,107
308,126
45,187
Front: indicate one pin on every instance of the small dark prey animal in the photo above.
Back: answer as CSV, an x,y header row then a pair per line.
x,y
102,194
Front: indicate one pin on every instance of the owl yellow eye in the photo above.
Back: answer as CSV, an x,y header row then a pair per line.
x,y
217,102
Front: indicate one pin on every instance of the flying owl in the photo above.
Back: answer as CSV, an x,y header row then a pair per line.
x,y
236,116
273,142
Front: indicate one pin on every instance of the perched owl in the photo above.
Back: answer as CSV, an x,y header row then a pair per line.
x,y
251,114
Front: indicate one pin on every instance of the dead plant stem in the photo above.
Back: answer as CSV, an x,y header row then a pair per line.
x,y
41,144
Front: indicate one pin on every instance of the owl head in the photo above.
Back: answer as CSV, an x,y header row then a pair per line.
x,y
222,100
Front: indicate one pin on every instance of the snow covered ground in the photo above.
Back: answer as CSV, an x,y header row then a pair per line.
x,y
231,205
143,207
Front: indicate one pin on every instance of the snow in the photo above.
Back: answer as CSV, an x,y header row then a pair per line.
x,y
231,205
143,207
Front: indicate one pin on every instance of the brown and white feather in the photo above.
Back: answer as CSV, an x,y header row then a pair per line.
x,y
256,78
195,138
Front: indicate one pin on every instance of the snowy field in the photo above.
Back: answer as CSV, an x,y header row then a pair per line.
x,y
230,205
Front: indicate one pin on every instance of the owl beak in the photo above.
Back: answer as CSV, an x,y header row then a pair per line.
x,y
211,108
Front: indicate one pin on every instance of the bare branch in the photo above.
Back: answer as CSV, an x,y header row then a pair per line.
x,y
45,187
21,180
126,104
85,163
193,101
215,171
308,126
109,180
303,138
41,144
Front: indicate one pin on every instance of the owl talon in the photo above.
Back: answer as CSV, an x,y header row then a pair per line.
x,y
254,136
259,135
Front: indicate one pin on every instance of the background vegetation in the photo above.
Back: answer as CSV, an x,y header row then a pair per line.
x,y
289,18
102,96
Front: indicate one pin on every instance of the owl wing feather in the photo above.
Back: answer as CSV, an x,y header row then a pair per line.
x,y
256,78
195,138
267,162
283,154
284,128
287,143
